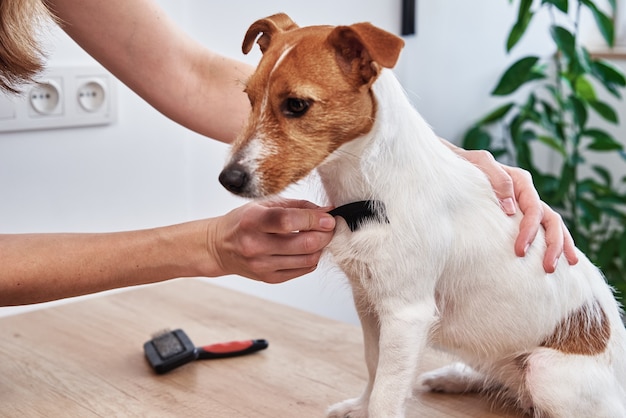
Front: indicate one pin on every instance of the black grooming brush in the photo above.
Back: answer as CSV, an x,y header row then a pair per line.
x,y
356,213
171,349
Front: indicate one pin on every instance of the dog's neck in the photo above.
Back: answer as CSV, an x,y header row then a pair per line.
x,y
401,147
342,177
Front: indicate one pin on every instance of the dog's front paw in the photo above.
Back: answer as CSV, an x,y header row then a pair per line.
x,y
351,408
454,378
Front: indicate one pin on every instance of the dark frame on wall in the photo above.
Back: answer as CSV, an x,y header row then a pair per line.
x,y
408,17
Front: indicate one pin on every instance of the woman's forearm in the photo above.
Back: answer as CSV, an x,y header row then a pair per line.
x,y
255,240
42,267
142,46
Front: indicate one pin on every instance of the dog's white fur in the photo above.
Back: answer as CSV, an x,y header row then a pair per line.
x,y
443,272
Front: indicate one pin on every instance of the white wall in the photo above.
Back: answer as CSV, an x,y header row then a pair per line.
x,y
146,171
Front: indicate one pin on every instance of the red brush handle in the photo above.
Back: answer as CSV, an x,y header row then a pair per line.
x,y
231,349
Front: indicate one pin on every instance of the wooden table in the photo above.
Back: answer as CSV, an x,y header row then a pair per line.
x,y
86,359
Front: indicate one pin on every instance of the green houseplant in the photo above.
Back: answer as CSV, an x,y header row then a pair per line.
x,y
551,102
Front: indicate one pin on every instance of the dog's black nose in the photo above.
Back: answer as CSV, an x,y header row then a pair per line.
x,y
234,178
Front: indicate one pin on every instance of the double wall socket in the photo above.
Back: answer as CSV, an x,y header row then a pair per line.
x,y
63,97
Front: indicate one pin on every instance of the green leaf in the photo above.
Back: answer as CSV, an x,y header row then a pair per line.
x,y
601,140
587,186
607,203
566,180
610,76
524,16
559,4
604,173
583,59
553,143
517,31
565,41
610,72
604,22
579,110
607,251
605,145
476,138
547,184
604,110
497,114
520,138
550,119
584,89
582,242
548,112
498,152
528,109
590,209
519,73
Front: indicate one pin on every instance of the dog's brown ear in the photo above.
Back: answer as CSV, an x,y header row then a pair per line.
x,y
363,48
268,26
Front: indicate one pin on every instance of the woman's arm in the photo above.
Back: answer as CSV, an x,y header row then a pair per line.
x,y
143,47
256,241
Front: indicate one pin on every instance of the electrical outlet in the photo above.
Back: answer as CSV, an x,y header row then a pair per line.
x,y
92,95
45,98
64,97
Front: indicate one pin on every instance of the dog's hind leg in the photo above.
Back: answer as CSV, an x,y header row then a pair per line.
x,y
503,381
453,378
571,386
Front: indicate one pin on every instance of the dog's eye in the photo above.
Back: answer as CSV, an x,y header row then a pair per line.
x,y
294,107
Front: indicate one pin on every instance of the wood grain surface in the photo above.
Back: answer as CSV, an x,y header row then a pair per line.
x,y
85,359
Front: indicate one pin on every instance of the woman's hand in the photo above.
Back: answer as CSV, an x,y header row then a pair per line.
x,y
271,241
515,184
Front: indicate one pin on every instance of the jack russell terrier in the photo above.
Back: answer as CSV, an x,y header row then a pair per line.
x,y
430,260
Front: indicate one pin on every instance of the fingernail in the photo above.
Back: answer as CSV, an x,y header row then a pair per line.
x,y
327,222
508,205
556,263
526,249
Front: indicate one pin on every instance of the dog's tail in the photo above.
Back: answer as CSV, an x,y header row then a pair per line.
x,y
21,56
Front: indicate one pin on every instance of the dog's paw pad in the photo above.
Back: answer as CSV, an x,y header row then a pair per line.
x,y
455,378
352,408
